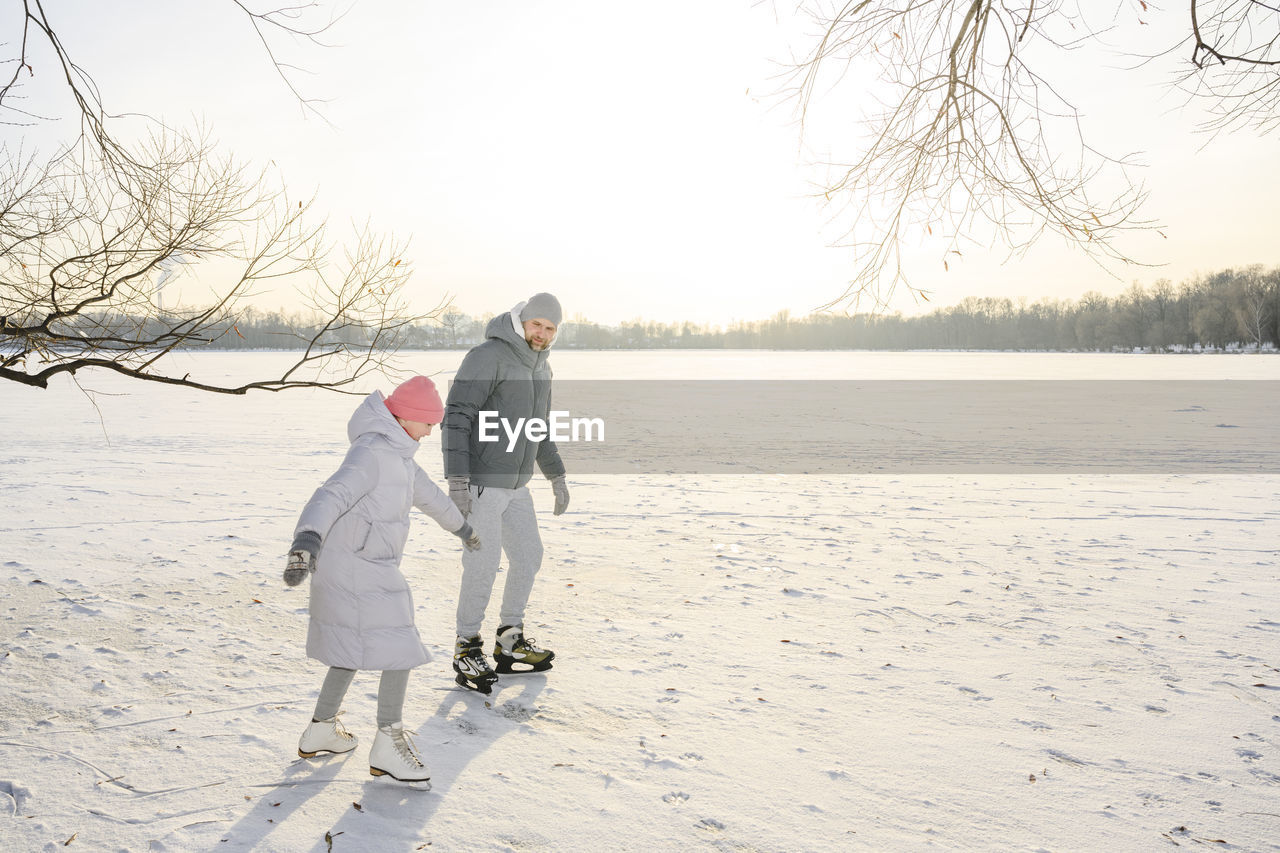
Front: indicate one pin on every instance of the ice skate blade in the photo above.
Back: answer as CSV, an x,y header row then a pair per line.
x,y
485,687
417,784
302,754
511,666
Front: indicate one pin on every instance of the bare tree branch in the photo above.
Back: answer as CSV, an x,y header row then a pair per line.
x,y
1235,63
291,22
974,138
89,236
80,255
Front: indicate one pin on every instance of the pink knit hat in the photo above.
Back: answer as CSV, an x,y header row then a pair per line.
x,y
417,400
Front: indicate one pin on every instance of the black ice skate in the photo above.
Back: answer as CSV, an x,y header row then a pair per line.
x,y
513,652
469,662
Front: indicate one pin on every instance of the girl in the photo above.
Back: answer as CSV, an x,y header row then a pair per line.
x,y
351,535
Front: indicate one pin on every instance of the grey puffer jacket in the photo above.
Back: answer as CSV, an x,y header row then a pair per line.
x,y
505,375
361,606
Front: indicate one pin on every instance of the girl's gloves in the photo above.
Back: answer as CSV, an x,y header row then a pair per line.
x,y
560,489
302,557
470,540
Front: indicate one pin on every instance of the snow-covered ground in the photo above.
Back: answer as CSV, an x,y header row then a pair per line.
x,y
1059,662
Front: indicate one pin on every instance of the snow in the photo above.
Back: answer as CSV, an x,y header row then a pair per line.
x,y
1068,661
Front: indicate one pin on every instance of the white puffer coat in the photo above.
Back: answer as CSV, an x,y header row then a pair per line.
x,y
361,606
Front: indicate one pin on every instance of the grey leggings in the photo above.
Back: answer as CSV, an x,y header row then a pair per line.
x,y
391,691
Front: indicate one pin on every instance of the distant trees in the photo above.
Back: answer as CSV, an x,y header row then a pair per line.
x,y
1238,307
1231,307
1254,305
92,235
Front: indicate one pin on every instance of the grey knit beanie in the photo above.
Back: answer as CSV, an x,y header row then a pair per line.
x,y
541,306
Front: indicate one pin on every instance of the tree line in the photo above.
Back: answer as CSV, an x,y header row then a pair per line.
x,y
1230,309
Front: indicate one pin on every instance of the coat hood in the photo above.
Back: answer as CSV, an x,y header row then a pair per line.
x,y
373,416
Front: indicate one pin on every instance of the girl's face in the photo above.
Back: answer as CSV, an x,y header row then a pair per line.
x,y
417,430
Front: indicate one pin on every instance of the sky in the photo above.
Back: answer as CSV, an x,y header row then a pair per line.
x,y
635,161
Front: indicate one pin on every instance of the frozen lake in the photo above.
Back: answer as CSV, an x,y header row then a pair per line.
x,y
769,364
1056,660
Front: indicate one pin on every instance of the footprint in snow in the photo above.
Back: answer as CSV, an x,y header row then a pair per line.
x,y
12,796
516,712
710,824
675,797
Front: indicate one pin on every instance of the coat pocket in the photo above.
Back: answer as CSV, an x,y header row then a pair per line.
x,y
377,545
364,529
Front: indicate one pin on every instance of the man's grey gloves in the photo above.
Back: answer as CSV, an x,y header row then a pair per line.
x,y
561,490
460,494
302,557
470,540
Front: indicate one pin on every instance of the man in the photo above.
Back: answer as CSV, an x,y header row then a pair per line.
x,y
508,378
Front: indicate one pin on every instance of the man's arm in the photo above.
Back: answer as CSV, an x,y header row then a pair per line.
x,y
552,467
472,385
548,458
549,461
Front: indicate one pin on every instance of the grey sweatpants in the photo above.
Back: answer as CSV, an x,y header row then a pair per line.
x,y
505,522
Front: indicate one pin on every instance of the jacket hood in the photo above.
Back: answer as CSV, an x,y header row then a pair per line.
x,y
373,416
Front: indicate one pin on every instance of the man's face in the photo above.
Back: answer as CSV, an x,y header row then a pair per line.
x,y
538,333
